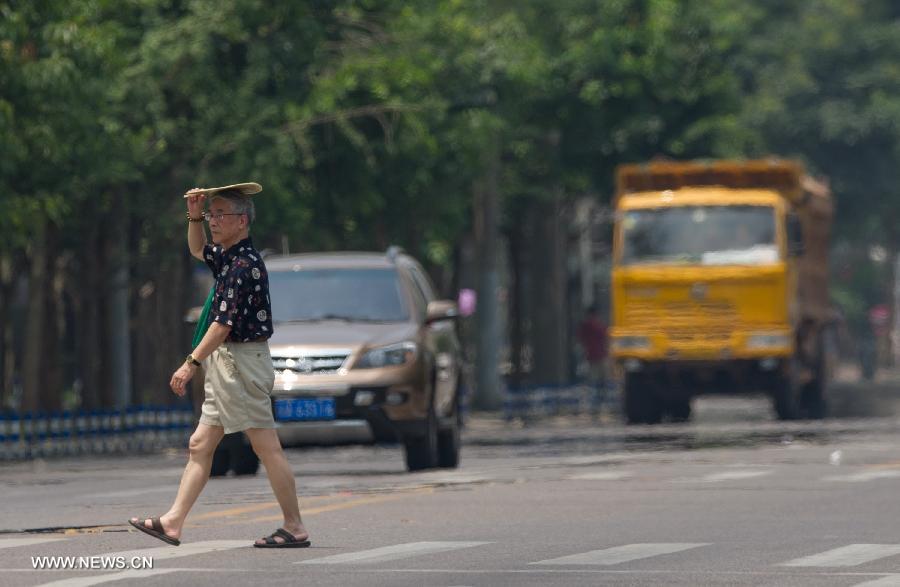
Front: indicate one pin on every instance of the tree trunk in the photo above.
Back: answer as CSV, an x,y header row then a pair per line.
x,y
41,362
549,330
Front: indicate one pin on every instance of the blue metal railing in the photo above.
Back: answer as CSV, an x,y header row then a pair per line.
x,y
131,430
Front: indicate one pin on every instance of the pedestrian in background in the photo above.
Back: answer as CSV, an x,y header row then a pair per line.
x,y
235,355
592,336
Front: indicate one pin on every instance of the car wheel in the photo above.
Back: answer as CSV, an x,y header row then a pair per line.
x,y
449,440
421,451
221,462
244,461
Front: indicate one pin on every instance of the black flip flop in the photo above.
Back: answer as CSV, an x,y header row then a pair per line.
x,y
156,531
289,540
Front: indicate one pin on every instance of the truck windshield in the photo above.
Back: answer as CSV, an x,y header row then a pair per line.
x,y
352,295
700,235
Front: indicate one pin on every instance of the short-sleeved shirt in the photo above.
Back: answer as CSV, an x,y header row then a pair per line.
x,y
241,297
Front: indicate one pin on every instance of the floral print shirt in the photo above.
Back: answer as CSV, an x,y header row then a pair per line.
x,y
241,298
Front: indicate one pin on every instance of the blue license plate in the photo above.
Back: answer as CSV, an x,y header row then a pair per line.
x,y
304,409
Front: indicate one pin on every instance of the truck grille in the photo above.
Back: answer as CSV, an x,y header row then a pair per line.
x,y
314,363
687,322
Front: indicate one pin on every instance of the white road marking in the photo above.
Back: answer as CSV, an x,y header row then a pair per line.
x,y
389,553
97,579
602,476
157,554
889,581
622,554
864,476
846,556
14,542
734,475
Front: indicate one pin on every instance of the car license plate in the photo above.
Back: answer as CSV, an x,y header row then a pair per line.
x,y
301,409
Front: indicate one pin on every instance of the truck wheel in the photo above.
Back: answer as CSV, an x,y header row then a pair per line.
x,y
812,401
640,403
784,399
422,451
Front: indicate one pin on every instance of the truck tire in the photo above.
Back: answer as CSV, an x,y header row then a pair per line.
x,y
784,398
640,404
813,404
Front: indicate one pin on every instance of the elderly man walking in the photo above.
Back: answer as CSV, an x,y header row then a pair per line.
x,y
235,355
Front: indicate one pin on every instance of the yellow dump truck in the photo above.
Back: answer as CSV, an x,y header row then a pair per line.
x,y
720,285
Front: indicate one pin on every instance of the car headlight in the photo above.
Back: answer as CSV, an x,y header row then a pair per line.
x,y
393,354
631,343
768,340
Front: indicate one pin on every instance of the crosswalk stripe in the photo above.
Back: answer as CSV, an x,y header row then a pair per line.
x,y
106,578
602,476
846,556
389,553
734,475
189,549
157,554
863,476
14,542
622,554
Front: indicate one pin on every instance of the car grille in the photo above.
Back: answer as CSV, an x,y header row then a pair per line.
x,y
316,363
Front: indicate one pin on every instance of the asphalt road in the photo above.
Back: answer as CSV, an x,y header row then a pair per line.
x,y
731,498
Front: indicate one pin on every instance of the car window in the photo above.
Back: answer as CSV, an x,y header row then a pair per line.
x,y
422,283
356,294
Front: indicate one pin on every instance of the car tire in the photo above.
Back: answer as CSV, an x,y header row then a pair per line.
x,y
234,453
422,451
449,440
221,462
244,461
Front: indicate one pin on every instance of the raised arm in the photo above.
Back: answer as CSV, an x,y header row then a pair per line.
x,y
196,230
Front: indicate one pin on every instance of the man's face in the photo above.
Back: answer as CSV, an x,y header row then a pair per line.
x,y
224,224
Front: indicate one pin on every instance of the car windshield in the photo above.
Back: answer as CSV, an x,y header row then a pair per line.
x,y
700,235
354,295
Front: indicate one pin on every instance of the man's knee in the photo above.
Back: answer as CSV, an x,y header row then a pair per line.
x,y
204,440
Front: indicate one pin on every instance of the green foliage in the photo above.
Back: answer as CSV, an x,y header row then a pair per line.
x,y
369,121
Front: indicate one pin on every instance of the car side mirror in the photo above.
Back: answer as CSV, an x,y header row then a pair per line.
x,y
441,310
795,237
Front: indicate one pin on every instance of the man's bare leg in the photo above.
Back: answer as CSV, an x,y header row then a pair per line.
x,y
201,447
268,448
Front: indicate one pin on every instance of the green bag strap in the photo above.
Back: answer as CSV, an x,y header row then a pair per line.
x,y
202,325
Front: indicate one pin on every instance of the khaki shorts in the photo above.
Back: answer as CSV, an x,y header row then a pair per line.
x,y
238,387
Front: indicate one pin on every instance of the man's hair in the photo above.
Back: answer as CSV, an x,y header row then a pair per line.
x,y
240,204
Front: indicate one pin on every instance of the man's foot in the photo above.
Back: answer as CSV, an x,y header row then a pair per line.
x,y
281,538
156,528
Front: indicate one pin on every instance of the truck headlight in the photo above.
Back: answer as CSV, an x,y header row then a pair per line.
x,y
768,340
631,343
392,354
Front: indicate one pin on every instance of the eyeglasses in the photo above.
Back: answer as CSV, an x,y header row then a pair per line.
x,y
219,215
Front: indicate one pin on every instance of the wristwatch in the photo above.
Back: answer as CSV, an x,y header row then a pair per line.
x,y
190,359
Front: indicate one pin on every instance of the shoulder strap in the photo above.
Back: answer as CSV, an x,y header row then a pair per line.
x,y
203,321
